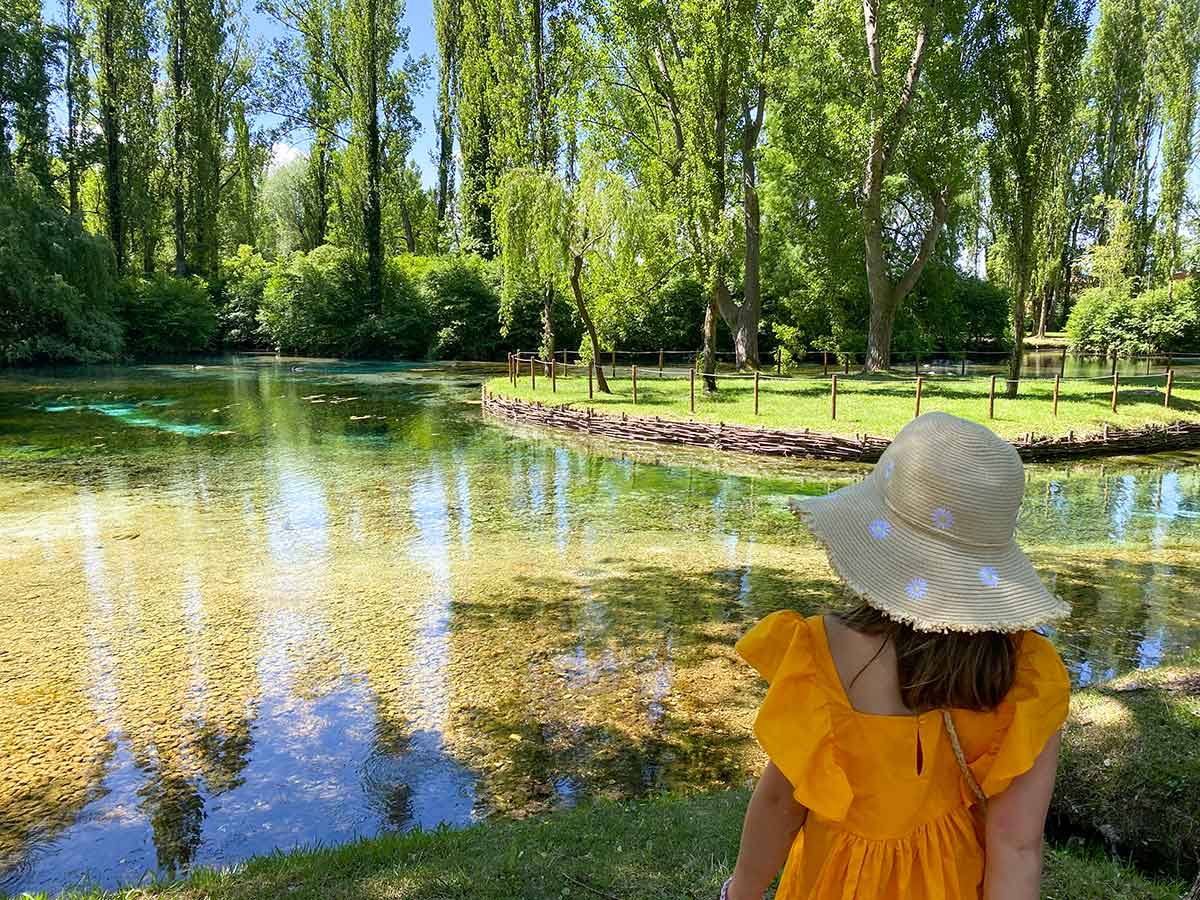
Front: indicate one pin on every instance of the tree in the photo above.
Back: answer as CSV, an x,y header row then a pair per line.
x,y
1176,73
381,121
448,25
1032,61
77,148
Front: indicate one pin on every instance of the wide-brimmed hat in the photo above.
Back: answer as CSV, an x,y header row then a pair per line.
x,y
928,537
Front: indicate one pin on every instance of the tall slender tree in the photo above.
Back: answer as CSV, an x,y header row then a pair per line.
x,y
1032,62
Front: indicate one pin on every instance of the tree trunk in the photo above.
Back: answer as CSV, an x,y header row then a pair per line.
x,y
1020,302
710,342
1044,309
178,54
112,139
373,212
410,237
879,333
745,337
577,291
548,323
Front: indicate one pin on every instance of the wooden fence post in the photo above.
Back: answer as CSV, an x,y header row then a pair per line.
x,y
660,361
692,389
778,360
532,375
847,363
1116,387
633,371
964,365
1114,369
591,365
1057,386
825,362
920,383
614,362
992,399
1170,384
833,397
756,392
917,364
554,374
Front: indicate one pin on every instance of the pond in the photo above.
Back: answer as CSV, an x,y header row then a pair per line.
x,y
263,603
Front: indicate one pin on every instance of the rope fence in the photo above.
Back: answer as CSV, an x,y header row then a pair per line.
x,y
1050,388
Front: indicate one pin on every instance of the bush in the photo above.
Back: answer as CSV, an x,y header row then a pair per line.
x,y
239,297
56,282
1108,320
316,303
462,302
165,315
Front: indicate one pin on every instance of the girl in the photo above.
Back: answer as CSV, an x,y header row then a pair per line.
x,y
913,741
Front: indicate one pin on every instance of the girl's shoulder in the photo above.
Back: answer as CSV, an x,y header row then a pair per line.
x,y
783,637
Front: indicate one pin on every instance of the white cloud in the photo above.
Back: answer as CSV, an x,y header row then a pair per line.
x,y
282,154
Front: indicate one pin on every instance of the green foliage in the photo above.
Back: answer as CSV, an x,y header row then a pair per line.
x,y
243,280
56,281
462,302
1108,320
166,315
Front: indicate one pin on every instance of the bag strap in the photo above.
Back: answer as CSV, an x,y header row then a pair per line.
x,y
972,782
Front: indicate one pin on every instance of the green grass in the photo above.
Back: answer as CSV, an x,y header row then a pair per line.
x,y
878,405
665,848
1130,773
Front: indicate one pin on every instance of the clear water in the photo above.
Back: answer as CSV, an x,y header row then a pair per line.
x,y
267,603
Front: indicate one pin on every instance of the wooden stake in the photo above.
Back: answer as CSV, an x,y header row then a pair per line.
x,y
532,375
992,399
847,363
756,393
660,361
614,362
633,370
591,365
833,397
920,383
1057,386
1116,387
825,362
778,360
964,365
1170,384
692,389
554,374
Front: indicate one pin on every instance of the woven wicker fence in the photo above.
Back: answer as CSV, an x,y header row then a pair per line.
x,y
817,445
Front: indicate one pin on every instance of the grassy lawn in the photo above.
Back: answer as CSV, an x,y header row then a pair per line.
x,y
666,849
878,405
1131,767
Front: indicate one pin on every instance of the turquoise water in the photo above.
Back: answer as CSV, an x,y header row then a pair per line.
x,y
261,603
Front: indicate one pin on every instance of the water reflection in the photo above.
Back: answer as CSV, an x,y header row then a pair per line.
x,y
350,605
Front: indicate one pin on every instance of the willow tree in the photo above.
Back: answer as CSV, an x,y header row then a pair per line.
x,y
1032,61
568,235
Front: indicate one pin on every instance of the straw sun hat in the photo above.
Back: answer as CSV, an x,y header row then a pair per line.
x,y
927,537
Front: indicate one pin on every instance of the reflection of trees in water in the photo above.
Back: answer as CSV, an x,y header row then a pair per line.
x,y
175,810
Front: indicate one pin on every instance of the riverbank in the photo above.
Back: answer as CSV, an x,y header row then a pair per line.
x,y
876,405
663,848
612,418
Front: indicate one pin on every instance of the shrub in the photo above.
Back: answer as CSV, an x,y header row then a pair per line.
x,y
317,303
1109,320
462,303
244,278
165,315
56,282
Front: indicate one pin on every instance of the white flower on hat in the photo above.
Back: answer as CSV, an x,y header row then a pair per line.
x,y
917,589
880,529
988,576
943,519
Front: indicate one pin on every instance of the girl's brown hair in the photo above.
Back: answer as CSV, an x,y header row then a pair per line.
x,y
942,671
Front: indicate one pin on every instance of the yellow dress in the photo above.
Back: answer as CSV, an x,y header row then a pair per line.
x,y
878,827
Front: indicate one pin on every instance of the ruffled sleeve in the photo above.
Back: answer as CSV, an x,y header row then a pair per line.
x,y
1033,711
794,725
